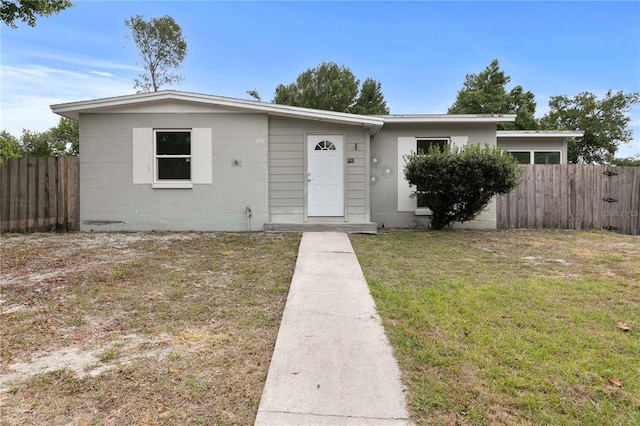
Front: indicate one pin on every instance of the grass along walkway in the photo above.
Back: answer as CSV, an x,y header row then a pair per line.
x,y
139,329
511,327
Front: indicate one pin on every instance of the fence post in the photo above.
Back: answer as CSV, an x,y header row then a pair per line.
x,y
4,196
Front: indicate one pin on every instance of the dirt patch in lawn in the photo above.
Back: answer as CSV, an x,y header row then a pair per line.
x,y
139,328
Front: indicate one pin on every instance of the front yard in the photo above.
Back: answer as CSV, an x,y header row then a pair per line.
x,y
124,329
511,327
489,327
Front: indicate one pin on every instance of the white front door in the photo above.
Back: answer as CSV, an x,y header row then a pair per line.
x,y
325,175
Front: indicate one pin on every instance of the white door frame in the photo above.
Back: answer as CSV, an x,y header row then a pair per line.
x,y
325,175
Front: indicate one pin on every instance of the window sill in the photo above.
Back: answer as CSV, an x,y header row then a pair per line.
x,y
172,185
423,211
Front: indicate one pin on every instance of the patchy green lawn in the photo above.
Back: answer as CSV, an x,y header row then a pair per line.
x,y
511,327
151,328
506,327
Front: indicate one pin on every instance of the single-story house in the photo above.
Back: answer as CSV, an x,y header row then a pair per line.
x,y
172,160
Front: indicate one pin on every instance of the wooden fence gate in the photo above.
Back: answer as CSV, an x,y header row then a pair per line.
x,y
574,196
39,194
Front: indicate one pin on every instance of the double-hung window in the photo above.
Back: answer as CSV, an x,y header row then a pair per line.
x,y
172,158
172,155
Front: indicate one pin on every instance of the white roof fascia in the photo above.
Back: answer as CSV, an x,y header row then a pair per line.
x,y
72,110
449,118
540,133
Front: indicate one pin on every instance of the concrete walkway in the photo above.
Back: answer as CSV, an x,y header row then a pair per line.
x,y
332,363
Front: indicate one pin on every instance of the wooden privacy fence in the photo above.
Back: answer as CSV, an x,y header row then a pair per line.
x,y
574,196
40,194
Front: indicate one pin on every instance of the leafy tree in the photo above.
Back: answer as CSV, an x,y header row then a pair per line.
x,y
456,184
161,47
9,146
486,93
66,134
61,140
627,161
28,10
332,87
604,122
371,100
524,105
39,144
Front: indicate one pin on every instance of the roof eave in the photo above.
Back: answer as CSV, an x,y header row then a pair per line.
x,y
74,109
540,133
450,118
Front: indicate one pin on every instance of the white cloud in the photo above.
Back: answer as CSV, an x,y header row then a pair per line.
x,y
101,73
84,61
34,73
28,91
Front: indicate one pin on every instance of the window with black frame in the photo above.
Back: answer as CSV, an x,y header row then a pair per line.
x,y
173,155
522,157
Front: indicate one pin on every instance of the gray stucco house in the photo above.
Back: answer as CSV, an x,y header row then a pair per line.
x,y
173,160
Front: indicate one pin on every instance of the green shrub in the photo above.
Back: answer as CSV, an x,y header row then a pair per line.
x,y
457,183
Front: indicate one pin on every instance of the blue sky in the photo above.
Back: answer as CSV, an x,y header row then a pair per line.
x,y
419,51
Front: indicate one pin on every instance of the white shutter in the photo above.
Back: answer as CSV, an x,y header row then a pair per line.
x,y
406,145
201,155
142,155
459,140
